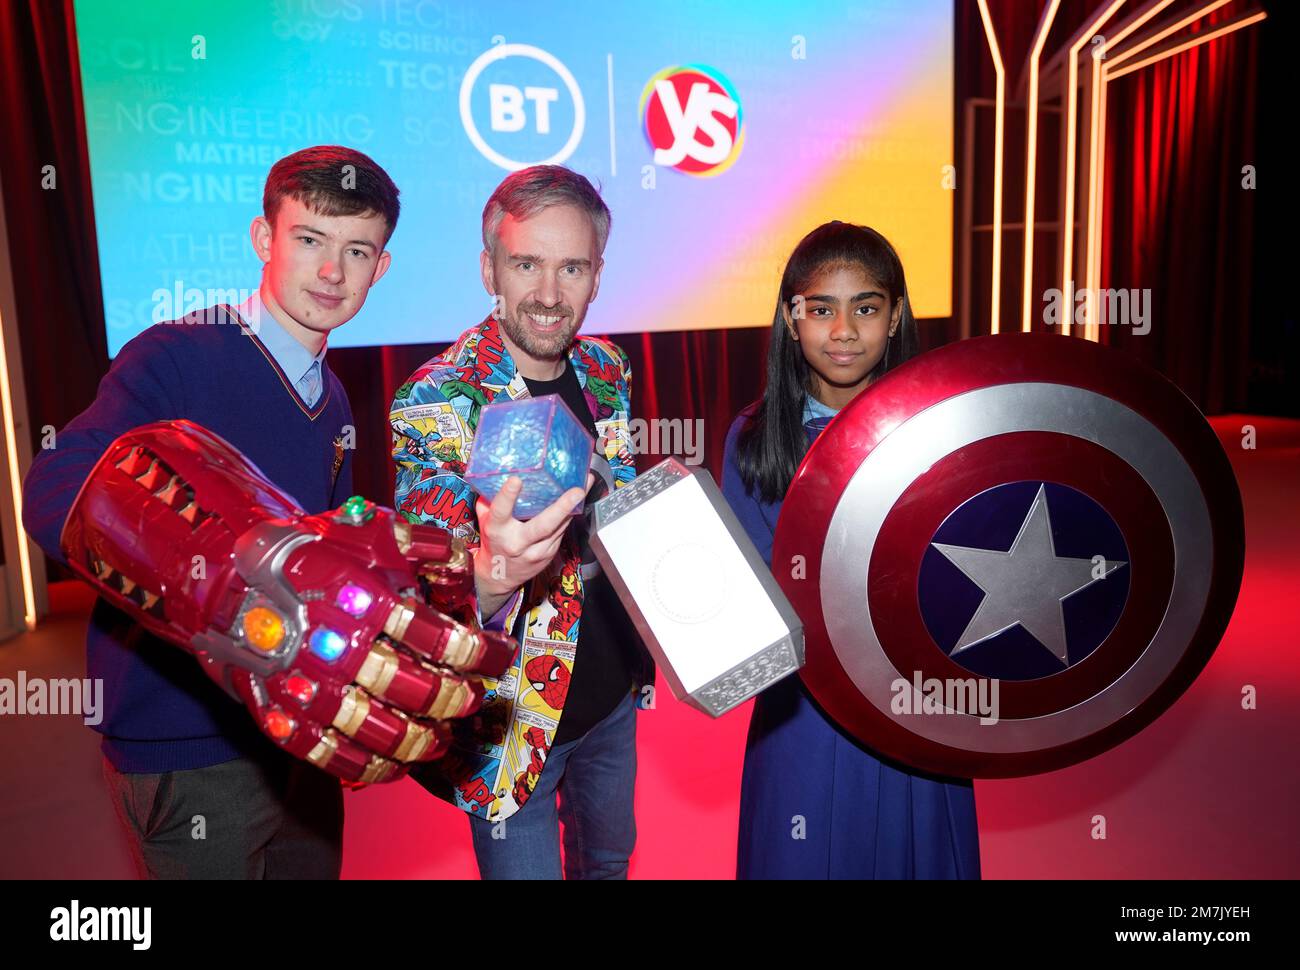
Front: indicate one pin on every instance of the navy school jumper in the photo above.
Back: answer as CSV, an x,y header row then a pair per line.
x,y
161,712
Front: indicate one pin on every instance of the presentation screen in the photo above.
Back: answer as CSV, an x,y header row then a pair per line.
x,y
719,133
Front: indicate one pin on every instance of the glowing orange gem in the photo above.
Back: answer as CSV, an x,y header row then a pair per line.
x,y
277,724
263,628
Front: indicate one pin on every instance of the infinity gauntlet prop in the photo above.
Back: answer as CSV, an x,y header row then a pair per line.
x,y
316,623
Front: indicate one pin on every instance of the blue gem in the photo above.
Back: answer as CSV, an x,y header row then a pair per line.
x,y
327,645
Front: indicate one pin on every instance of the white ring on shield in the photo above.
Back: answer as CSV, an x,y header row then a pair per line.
x,y
911,449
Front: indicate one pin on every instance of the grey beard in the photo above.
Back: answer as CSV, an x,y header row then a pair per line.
x,y
534,346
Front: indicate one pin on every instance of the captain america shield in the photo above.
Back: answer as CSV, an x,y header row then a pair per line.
x,y
1009,555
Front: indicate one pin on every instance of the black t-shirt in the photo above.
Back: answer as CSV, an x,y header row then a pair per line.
x,y
609,656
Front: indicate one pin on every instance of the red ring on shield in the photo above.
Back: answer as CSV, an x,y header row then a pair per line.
x,y
1066,460
884,409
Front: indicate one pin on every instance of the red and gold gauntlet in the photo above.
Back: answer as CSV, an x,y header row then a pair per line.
x,y
318,623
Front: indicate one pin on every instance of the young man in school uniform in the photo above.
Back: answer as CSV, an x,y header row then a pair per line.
x,y
175,746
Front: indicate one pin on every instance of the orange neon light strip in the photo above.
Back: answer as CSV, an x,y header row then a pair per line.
x,y
16,487
1031,161
1188,45
1071,124
1162,34
995,308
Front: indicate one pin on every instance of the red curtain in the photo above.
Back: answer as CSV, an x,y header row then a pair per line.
x,y
1178,221
51,228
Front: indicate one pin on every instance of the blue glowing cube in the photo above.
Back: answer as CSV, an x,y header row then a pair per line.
x,y
537,438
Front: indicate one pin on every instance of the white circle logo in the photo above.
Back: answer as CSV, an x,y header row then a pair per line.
x,y
689,583
510,105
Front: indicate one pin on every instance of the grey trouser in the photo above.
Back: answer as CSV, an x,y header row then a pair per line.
x,y
274,818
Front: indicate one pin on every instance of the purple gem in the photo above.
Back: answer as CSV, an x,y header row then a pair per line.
x,y
354,600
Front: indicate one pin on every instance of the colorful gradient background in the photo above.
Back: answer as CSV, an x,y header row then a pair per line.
x,y
858,130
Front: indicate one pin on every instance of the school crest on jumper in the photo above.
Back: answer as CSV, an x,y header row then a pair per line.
x,y
339,447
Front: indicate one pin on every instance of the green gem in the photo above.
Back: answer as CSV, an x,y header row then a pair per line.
x,y
356,505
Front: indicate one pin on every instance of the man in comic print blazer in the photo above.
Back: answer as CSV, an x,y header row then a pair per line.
x,y
556,739
434,416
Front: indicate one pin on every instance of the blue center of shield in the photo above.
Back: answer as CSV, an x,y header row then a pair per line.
x,y
1024,580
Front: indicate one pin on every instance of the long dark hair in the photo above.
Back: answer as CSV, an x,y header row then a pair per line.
x,y
772,442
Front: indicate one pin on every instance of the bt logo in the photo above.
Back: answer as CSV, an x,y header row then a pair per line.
x,y
693,119
525,113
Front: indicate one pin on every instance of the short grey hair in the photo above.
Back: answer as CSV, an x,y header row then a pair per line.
x,y
527,192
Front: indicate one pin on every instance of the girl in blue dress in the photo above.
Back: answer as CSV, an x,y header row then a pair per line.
x,y
814,802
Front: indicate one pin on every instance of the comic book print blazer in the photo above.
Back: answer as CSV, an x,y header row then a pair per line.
x,y
494,763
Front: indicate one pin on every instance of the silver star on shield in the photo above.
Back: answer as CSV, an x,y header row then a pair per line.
x,y
1025,585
